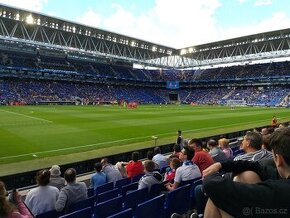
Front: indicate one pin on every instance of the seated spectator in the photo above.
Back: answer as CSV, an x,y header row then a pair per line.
x,y
159,159
224,145
17,209
187,171
151,176
150,155
111,172
174,163
217,154
42,198
251,145
201,158
99,178
229,198
135,166
55,179
73,192
176,151
121,166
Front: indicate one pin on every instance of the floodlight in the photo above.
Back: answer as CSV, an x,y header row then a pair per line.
x,y
29,19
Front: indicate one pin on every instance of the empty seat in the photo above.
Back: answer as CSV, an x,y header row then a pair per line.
x,y
50,214
105,187
130,187
153,208
132,199
83,213
178,200
105,196
128,213
108,208
89,202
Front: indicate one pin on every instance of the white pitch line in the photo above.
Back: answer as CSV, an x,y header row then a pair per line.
x,y
23,115
122,140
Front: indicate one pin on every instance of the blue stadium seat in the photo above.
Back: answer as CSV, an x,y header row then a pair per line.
x,y
132,199
105,196
182,183
153,208
105,187
91,192
178,200
89,202
137,177
108,208
50,214
192,195
122,182
156,189
83,213
128,213
130,187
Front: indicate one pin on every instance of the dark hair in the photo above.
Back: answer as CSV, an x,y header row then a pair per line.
x,y
70,175
105,161
255,139
98,167
175,162
266,142
176,148
135,156
279,141
150,155
149,165
198,142
212,143
189,152
179,132
157,150
42,177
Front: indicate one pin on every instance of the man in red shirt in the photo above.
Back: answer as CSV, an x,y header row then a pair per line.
x,y
135,166
201,158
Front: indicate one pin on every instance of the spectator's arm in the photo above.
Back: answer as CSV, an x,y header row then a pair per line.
x,y
61,201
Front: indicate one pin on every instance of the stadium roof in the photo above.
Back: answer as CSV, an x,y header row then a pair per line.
x,y
31,29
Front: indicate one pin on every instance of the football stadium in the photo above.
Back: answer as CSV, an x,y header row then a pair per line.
x,y
75,99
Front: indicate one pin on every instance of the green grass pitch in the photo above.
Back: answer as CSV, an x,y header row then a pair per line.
x,y
38,136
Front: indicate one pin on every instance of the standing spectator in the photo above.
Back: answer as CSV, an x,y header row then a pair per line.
x,y
170,174
73,192
201,158
179,139
55,179
151,177
9,210
160,159
135,166
274,122
111,172
99,178
224,145
42,198
187,171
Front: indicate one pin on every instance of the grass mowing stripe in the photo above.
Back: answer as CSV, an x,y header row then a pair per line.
x,y
23,115
129,139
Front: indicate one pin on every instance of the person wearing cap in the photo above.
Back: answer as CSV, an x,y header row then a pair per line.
x,y
55,179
